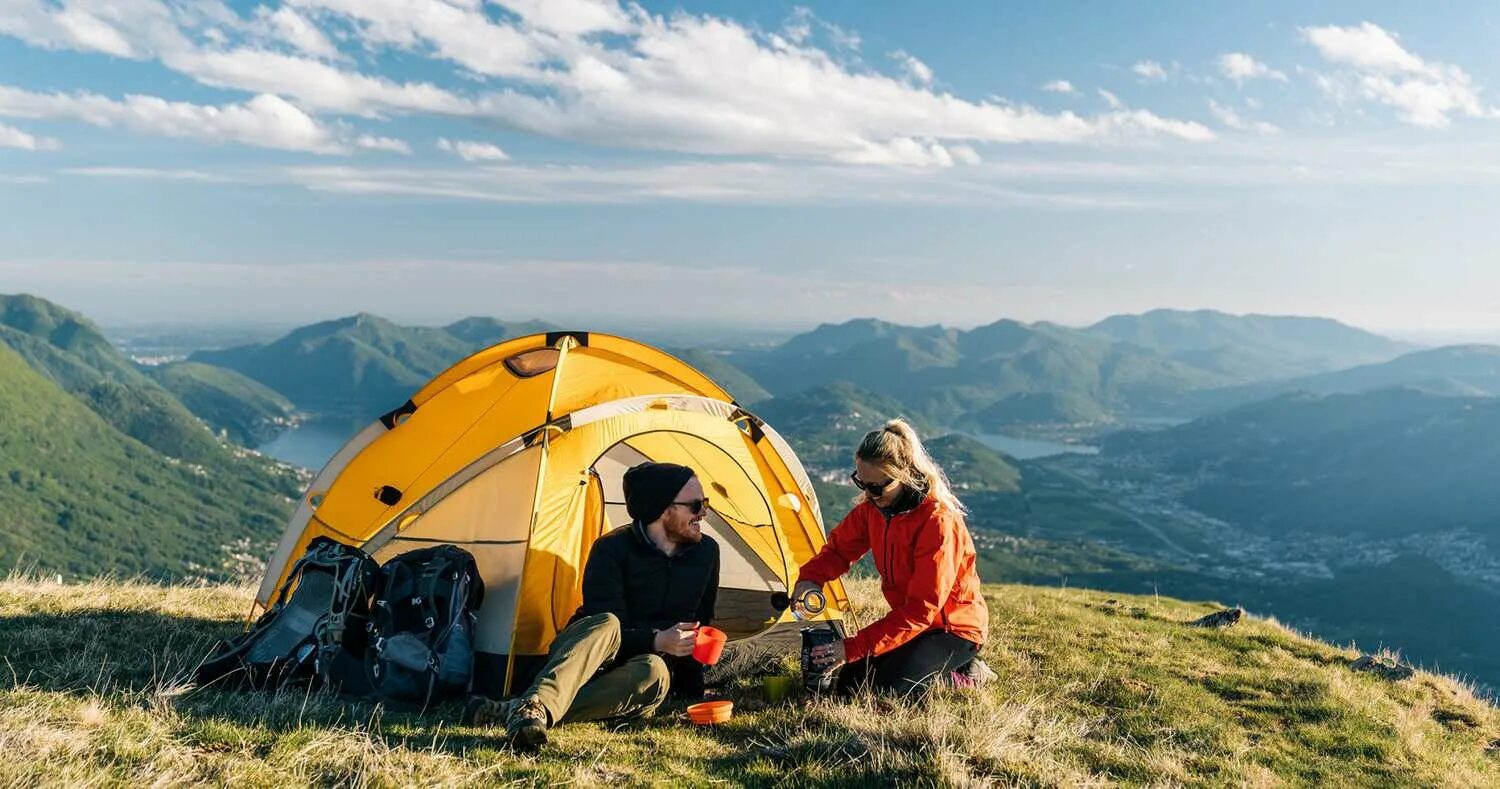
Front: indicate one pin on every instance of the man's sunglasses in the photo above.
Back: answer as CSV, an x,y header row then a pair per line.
x,y
872,488
696,506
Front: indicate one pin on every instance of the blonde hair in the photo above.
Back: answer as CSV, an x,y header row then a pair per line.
x,y
897,450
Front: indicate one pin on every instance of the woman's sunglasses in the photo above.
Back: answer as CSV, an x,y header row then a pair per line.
x,y
695,506
871,488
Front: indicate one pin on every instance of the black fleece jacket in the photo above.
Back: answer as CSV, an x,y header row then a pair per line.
x,y
628,576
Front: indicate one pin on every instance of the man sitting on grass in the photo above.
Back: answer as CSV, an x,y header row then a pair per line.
x,y
647,587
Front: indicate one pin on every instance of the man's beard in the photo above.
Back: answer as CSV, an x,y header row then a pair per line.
x,y
683,534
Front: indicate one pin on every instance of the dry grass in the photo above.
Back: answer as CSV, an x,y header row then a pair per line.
x,y
1095,689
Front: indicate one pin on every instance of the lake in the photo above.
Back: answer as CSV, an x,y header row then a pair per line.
x,y
311,443
1030,448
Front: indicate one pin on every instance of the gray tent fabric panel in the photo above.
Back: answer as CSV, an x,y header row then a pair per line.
x,y
490,517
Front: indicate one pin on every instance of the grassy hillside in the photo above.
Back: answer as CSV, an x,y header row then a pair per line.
x,y
248,411
79,497
66,331
1093,689
68,349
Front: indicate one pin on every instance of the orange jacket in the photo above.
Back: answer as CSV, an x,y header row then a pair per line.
x,y
926,562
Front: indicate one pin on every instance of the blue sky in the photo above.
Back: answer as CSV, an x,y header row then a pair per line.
x,y
771,163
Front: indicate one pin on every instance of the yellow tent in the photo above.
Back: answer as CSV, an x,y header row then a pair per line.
x,y
516,454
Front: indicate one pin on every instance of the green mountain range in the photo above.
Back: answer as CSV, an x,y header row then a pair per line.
x,y
362,364
248,411
81,497
1010,376
69,350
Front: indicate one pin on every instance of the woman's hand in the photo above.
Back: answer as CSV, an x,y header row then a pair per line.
x,y
677,640
801,589
829,656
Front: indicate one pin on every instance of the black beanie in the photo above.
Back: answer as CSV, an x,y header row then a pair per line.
x,y
651,487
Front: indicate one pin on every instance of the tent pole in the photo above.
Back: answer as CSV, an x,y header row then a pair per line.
x,y
565,344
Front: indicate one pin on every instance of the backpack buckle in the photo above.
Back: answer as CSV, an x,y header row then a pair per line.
x,y
417,600
430,623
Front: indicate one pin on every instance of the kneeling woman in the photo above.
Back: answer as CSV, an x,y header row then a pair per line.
x,y
913,524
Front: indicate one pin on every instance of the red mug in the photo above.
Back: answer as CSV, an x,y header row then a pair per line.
x,y
710,645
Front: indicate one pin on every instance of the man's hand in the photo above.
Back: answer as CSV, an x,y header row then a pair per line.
x,y
677,640
829,656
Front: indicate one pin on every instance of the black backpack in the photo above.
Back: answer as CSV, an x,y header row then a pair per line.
x,y
313,631
420,645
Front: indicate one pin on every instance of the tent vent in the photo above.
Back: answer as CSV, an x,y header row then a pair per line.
x,y
396,417
388,495
532,363
581,336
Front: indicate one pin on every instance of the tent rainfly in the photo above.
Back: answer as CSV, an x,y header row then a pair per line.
x,y
516,454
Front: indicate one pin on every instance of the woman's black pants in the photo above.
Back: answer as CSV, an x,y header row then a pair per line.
x,y
910,668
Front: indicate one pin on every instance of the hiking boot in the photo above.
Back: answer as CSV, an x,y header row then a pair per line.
x,y
527,728
485,711
974,674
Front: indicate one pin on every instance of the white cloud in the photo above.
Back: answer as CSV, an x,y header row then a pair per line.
x,y
1059,86
149,173
1231,117
265,121
1366,47
292,27
1240,67
1149,70
11,137
460,33
471,151
571,17
915,69
685,83
1380,69
123,28
370,142
1111,99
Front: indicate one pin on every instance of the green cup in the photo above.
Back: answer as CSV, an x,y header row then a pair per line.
x,y
776,688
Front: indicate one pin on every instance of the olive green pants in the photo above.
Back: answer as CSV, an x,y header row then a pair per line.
x,y
572,688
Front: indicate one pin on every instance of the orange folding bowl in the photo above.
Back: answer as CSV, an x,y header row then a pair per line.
x,y
710,712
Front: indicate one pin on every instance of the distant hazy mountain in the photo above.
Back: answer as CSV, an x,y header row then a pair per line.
x,y
1460,370
482,332
364,364
1251,347
82,498
248,411
945,374
1394,461
739,384
361,364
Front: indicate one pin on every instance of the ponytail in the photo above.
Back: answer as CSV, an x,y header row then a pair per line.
x,y
897,450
